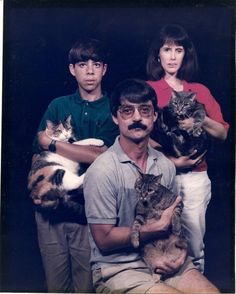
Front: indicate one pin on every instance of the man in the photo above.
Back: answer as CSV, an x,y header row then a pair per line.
x,y
62,234
110,201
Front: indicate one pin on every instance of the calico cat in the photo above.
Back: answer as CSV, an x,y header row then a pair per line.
x,y
174,140
52,176
153,199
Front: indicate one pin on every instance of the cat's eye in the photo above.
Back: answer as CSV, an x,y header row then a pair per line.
x,y
57,132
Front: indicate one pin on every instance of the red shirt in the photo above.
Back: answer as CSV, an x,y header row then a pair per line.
x,y
203,95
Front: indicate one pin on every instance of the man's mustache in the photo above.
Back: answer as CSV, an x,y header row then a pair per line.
x,y
137,125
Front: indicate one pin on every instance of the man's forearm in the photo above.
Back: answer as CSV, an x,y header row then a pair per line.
x,y
110,238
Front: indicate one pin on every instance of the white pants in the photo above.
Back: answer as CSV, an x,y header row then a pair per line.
x,y
195,190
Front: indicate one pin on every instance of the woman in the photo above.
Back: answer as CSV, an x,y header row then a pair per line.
x,y
172,65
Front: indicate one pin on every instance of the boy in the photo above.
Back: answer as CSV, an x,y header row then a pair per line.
x,y
62,234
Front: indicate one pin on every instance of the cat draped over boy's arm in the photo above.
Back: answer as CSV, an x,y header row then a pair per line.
x,y
83,154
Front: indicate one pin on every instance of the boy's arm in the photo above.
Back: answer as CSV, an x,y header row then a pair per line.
x,y
82,154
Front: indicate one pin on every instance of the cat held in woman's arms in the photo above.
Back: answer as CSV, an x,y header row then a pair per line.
x,y
53,176
176,141
153,199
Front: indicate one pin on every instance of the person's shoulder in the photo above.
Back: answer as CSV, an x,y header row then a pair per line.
x,y
155,83
104,162
197,87
62,99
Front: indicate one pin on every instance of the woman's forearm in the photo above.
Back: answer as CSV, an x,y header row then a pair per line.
x,y
214,128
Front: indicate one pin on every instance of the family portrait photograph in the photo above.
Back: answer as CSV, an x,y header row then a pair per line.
x,y
118,146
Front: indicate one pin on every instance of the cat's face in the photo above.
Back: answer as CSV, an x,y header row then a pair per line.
x,y
146,187
61,132
182,103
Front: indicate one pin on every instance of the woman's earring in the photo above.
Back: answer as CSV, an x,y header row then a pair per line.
x,y
158,59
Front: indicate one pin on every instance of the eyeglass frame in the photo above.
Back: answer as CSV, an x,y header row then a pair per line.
x,y
139,108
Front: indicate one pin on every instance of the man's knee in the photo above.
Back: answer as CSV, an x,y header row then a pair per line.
x,y
162,288
193,281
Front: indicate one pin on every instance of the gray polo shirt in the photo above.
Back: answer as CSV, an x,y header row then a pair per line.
x,y
110,197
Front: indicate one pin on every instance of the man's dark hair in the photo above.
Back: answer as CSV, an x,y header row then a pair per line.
x,y
87,48
133,90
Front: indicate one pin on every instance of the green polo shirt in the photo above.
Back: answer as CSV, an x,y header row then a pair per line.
x,y
89,119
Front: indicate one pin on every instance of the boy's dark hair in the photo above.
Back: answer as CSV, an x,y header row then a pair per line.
x,y
172,34
133,90
87,48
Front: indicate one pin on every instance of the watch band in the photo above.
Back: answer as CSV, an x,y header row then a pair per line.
x,y
52,146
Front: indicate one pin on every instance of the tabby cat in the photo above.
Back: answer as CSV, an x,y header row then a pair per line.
x,y
174,140
52,176
153,199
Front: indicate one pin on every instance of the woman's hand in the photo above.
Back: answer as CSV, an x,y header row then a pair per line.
x,y
186,124
183,162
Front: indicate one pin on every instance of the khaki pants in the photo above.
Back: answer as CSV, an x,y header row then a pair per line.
x,y
65,254
132,277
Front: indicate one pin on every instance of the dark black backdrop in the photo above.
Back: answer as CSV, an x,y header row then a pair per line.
x,y
37,37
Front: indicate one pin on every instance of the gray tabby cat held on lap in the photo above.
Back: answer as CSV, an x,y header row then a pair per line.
x,y
153,199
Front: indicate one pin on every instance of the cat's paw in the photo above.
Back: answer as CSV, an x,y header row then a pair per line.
x,y
135,239
197,131
90,141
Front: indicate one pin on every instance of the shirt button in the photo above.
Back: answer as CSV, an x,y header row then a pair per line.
x,y
86,113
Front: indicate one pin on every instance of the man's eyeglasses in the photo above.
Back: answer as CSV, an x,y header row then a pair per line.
x,y
127,111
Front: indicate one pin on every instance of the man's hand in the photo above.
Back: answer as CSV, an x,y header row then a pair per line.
x,y
154,227
170,267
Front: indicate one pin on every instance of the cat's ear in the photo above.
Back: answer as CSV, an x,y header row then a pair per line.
x,y
192,96
49,124
67,121
140,173
174,93
158,178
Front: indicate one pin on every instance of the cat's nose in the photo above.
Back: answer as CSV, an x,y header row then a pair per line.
x,y
145,202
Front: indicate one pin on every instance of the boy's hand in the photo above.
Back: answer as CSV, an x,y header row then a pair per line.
x,y
44,140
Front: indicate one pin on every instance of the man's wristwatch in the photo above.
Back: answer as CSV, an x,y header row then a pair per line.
x,y
52,146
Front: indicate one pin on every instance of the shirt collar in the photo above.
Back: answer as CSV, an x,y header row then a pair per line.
x,y
80,100
123,157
